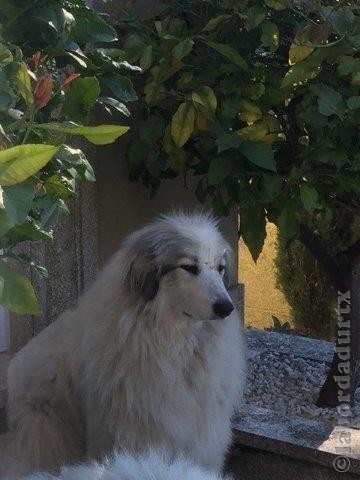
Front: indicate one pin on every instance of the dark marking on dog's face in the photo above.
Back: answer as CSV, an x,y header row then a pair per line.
x,y
190,269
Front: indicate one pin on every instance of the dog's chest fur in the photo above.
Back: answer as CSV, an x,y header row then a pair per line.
x,y
176,392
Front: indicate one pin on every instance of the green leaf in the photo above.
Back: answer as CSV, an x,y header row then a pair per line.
x,y
60,186
75,162
276,322
214,22
99,135
309,197
353,102
330,101
16,292
277,4
41,271
270,36
219,169
253,228
205,100
6,56
81,98
146,58
225,141
288,222
182,124
249,111
348,65
303,71
78,59
93,29
121,86
29,231
24,83
260,154
270,187
299,52
183,48
115,104
5,222
49,17
230,53
219,207
177,156
17,200
151,129
254,16
257,131
20,162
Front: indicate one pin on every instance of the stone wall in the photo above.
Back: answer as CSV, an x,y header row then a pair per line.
x,y
71,260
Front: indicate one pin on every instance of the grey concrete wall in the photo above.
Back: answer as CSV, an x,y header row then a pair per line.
x,y
124,206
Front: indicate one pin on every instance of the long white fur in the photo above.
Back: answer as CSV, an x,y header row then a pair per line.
x,y
127,372
153,466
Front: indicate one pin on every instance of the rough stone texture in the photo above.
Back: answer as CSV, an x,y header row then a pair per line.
x,y
288,378
259,341
71,259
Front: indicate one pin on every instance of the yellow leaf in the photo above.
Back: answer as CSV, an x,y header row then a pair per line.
x,y
201,122
20,162
98,135
182,124
16,292
249,111
205,100
24,83
298,52
258,131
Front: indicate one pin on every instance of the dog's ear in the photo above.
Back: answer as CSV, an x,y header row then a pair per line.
x,y
143,275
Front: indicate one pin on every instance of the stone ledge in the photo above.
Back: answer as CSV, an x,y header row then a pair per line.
x,y
298,438
293,437
259,341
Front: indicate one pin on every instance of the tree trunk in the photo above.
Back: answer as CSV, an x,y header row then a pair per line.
x,y
344,273
343,377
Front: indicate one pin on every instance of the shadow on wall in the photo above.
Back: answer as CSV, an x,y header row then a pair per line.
x,y
262,298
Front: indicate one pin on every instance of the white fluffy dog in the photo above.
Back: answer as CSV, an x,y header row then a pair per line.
x,y
153,466
153,356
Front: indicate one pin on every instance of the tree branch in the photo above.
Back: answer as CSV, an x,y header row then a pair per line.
x,y
318,248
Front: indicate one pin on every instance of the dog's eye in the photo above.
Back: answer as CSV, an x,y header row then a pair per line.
x,y
221,268
194,269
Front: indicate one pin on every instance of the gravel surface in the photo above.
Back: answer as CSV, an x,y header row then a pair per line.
x,y
290,385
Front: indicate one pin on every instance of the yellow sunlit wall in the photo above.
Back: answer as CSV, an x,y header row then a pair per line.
x,y
262,298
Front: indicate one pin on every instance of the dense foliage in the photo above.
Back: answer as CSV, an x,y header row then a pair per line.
x,y
55,58
304,281
306,288
258,99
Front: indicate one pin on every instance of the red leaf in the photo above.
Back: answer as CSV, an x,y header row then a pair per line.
x,y
43,91
70,79
35,60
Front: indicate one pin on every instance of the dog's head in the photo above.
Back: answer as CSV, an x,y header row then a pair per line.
x,y
182,262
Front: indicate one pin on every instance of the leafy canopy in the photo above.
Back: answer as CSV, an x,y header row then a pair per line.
x,y
258,99
56,58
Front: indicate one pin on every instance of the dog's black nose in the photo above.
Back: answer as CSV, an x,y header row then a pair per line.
x,y
223,308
